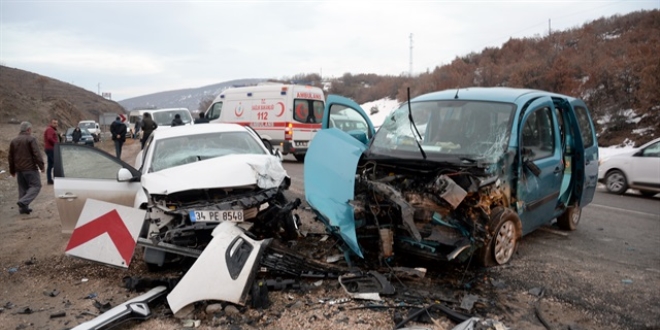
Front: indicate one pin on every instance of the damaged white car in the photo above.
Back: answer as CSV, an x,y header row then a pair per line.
x,y
186,181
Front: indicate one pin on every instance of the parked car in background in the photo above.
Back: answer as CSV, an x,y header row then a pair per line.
x,y
460,174
638,168
93,128
185,182
87,138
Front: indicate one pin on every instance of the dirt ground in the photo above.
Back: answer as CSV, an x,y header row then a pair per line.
x,y
40,288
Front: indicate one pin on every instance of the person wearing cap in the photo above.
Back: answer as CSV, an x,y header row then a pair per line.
x,y
118,131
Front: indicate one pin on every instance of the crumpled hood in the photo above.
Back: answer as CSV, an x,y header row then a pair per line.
x,y
264,171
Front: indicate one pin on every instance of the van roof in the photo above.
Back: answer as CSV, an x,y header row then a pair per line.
x,y
498,94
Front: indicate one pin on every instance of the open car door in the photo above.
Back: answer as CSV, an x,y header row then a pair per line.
x,y
95,206
330,165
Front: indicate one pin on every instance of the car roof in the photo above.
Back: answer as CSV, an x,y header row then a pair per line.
x,y
197,129
497,94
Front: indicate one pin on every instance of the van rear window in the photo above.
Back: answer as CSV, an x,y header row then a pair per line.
x,y
302,113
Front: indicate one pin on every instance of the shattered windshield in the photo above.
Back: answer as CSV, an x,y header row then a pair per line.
x,y
182,150
472,129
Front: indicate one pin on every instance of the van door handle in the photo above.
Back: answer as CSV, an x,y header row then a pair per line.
x,y
558,170
67,195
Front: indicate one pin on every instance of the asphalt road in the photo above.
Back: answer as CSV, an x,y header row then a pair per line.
x,y
608,269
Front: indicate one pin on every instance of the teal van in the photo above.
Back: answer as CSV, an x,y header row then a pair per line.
x,y
452,174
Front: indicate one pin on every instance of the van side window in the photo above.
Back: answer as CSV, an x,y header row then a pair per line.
x,y
538,135
585,126
214,112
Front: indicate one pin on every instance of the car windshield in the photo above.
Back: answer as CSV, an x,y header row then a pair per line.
x,y
164,118
187,149
470,129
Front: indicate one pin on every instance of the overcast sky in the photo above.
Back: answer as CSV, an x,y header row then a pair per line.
x,y
134,48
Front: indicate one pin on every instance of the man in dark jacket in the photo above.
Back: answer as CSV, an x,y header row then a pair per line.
x,y
148,126
25,163
118,131
177,120
202,119
76,135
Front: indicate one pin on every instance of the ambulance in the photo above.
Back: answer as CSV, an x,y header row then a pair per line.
x,y
286,115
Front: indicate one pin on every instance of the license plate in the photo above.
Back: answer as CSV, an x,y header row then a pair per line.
x,y
301,144
216,216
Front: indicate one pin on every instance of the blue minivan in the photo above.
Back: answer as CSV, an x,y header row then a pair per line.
x,y
453,174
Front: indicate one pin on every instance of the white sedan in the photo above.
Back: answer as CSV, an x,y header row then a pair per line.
x,y
638,169
186,181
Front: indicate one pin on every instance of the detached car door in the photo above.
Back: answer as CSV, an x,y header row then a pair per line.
x,y
83,173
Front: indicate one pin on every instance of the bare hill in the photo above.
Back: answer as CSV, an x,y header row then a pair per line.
x,y
28,96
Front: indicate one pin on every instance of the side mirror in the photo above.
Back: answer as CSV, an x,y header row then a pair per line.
x,y
277,153
359,135
124,175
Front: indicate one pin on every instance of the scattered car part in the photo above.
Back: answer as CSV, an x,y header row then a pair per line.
x,y
367,286
475,323
224,271
136,308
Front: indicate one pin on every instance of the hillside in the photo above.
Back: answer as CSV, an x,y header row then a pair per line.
x,y
183,98
35,98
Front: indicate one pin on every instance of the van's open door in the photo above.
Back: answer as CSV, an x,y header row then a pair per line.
x,y
590,160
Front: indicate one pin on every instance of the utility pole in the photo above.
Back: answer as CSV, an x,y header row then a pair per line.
x,y
411,53
99,92
549,26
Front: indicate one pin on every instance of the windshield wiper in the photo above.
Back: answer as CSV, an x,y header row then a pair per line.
x,y
412,123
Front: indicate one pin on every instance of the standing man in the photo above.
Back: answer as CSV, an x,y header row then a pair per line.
x,y
50,138
177,120
148,125
25,162
118,131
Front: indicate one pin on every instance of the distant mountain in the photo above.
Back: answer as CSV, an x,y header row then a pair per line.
x,y
183,98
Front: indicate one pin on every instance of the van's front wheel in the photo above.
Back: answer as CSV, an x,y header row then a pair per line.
x,y
300,158
504,229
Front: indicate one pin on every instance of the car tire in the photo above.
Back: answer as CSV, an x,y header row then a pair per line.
x,y
300,158
570,219
616,182
648,193
504,234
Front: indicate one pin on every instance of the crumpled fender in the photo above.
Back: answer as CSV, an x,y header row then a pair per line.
x,y
329,171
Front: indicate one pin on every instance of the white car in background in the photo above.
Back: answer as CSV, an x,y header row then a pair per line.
x,y
186,182
638,169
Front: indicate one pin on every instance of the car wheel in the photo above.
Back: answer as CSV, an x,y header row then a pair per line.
x,y
616,182
570,219
648,193
300,158
505,226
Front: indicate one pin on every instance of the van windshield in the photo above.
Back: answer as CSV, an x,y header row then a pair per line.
x,y
164,118
303,114
87,125
474,129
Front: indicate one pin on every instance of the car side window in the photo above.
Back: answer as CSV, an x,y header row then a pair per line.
x,y
585,126
88,163
348,119
214,112
652,150
538,135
